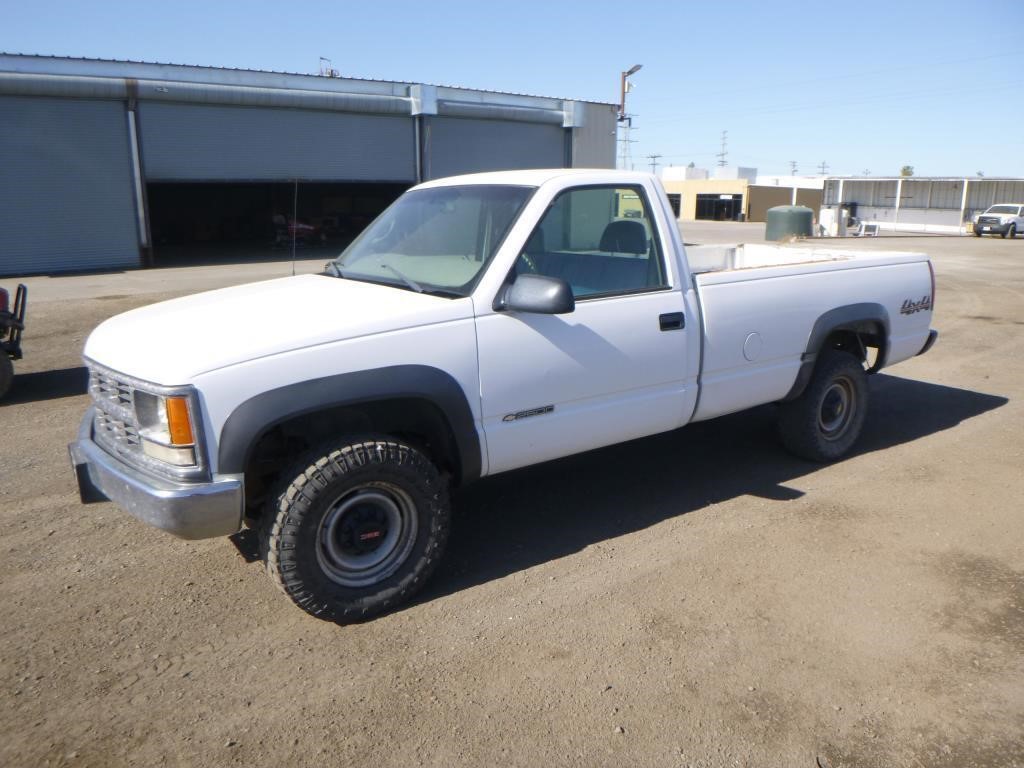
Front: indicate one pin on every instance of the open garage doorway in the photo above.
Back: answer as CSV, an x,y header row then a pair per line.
x,y
209,223
719,207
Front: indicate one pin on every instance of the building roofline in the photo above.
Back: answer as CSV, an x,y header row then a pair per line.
x,y
64,65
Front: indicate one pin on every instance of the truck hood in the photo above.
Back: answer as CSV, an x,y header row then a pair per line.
x,y
174,341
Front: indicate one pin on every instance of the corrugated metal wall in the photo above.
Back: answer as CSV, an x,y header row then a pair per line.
x,y
593,143
982,193
223,143
66,200
454,145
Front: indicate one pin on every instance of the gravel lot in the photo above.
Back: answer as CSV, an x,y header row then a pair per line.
x,y
694,599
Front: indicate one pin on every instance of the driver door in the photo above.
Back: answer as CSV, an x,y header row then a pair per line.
x,y
613,369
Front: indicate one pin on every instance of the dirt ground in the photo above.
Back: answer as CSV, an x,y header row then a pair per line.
x,y
694,599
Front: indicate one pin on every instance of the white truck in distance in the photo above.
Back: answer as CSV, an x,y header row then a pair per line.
x,y
1005,219
480,324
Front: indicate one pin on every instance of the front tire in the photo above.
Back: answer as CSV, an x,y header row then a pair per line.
x,y
1011,232
826,420
356,529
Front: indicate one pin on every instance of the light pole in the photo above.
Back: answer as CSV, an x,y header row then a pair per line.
x,y
622,99
623,118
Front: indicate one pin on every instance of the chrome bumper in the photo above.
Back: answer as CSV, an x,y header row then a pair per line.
x,y
189,510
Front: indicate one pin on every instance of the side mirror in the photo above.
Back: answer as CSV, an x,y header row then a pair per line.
x,y
538,294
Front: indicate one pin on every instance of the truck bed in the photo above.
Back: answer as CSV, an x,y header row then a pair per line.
x,y
705,259
760,304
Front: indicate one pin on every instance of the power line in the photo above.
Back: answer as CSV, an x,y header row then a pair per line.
x,y
852,74
823,167
792,167
819,106
724,153
654,162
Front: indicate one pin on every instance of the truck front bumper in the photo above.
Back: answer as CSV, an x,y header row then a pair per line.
x,y
189,510
991,229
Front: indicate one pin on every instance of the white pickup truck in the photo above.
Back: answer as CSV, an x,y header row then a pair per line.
x,y
1005,219
480,324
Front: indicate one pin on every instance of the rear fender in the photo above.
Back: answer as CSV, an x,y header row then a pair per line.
x,y
865,319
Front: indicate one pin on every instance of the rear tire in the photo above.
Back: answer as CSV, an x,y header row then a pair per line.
x,y
6,373
356,528
825,421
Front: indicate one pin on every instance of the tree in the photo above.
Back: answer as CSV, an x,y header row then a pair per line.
x,y
907,170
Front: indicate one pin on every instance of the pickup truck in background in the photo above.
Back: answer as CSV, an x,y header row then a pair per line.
x,y
482,323
1005,219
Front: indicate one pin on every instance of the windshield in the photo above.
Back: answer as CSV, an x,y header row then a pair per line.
x,y
435,240
1011,209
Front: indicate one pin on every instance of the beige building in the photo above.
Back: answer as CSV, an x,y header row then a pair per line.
x,y
735,194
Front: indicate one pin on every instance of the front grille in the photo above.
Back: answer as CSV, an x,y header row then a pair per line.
x,y
114,427
990,220
104,386
116,430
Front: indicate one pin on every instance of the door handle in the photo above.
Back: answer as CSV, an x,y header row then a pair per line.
x,y
672,321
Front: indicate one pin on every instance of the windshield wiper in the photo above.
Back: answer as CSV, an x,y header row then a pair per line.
x,y
331,268
408,281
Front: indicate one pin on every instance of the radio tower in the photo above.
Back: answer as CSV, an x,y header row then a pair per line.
x,y
722,155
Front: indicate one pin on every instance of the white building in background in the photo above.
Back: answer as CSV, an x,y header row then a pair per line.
x,y
916,204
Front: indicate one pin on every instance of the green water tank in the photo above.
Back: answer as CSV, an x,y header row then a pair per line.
x,y
789,220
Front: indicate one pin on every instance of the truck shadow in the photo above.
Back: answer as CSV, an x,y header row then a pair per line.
x,y
527,517
47,385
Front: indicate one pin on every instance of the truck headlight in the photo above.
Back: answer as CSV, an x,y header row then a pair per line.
x,y
166,429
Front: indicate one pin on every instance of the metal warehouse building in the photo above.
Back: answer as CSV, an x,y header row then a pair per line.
x,y
919,204
110,164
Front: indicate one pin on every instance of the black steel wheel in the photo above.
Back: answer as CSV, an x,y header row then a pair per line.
x,y
826,420
356,529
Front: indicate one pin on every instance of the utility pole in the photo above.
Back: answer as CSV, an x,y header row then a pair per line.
x,y
792,167
654,162
823,167
722,155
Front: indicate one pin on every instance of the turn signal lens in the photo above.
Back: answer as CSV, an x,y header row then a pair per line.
x,y
179,425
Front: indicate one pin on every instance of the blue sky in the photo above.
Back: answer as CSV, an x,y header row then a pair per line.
x,y
937,85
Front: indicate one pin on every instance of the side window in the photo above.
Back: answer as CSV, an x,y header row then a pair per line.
x,y
601,240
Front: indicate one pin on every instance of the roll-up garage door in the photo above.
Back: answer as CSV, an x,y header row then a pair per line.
x,y
66,200
188,142
454,145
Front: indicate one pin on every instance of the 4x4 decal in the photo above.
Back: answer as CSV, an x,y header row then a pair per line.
x,y
910,306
